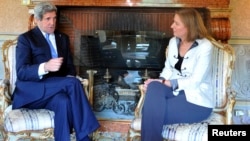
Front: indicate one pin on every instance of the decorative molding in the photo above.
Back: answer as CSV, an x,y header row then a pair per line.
x,y
142,3
4,37
239,41
220,12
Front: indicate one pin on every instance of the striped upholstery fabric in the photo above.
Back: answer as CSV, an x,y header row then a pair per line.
x,y
26,119
219,84
12,67
191,132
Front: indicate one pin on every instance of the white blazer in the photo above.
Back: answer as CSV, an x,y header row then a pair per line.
x,y
196,72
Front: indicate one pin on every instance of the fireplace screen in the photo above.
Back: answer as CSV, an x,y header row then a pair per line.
x,y
122,59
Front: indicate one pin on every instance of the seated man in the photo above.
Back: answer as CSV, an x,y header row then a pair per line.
x,y
45,77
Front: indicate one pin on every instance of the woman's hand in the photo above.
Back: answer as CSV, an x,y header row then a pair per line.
x,y
146,82
164,82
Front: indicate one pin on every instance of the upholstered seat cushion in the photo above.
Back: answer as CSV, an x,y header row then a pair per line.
x,y
27,119
180,132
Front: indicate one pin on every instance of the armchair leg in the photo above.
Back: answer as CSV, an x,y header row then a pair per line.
x,y
134,135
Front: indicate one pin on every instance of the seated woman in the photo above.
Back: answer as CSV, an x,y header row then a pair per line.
x,y
183,93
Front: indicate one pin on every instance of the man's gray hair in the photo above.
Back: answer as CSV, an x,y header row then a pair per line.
x,y
42,8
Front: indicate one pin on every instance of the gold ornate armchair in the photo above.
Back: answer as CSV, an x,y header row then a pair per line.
x,y
223,58
22,123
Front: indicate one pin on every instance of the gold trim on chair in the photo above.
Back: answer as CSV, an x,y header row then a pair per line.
x,y
5,95
6,45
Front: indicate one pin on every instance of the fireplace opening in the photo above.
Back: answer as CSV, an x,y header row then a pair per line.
x,y
122,60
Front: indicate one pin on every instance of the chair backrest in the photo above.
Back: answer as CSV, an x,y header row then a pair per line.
x,y
9,61
8,83
223,65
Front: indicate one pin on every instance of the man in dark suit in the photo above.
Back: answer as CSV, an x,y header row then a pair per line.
x,y
48,81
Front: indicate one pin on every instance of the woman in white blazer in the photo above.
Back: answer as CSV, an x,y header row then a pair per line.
x,y
183,93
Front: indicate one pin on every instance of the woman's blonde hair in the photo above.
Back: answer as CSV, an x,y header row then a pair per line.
x,y
194,24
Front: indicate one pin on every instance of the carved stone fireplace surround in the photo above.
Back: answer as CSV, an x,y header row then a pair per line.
x,y
84,17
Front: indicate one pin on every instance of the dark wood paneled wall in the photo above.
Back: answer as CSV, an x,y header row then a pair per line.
x,y
86,20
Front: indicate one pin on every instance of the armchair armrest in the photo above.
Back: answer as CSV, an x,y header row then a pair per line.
x,y
229,107
138,108
136,122
85,83
231,103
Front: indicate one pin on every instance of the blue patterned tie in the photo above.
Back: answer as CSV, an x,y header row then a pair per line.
x,y
52,49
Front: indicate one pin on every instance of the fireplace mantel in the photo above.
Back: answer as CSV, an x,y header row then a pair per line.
x,y
141,3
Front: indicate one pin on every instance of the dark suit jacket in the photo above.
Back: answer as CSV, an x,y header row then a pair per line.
x,y
32,50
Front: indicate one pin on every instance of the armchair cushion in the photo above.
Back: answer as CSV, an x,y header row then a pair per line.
x,y
181,131
26,119
176,131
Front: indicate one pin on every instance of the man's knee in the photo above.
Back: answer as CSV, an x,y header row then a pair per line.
x,y
73,80
61,99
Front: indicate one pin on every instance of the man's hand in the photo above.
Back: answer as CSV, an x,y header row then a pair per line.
x,y
53,64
